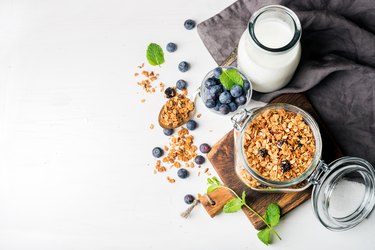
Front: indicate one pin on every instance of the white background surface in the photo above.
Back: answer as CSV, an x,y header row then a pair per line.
x,y
75,142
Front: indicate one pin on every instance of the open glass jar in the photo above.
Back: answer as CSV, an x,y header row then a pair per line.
x,y
343,191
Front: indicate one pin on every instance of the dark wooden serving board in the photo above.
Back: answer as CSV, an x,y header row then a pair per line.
x,y
221,157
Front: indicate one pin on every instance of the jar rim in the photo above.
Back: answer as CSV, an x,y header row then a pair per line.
x,y
318,146
297,27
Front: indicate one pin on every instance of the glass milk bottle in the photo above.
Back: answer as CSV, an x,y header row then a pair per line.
x,y
269,50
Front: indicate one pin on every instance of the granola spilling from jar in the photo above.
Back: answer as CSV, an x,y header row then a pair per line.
x,y
278,145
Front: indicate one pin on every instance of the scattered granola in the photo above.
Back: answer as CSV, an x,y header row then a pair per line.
x,y
176,110
152,126
143,100
171,180
278,145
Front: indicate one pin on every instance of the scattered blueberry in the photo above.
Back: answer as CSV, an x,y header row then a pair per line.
x,y
224,109
285,165
157,152
218,104
189,199
191,125
216,90
171,47
210,82
246,85
204,148
199,160
181,84
210,103
217,72
280,143
170,92
225,97
236,91
300,145
262,152
168,131
189,24
240,100
233,106
182,173
183,66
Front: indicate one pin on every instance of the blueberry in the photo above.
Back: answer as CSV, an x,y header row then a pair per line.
x,y
285,165
157,152
236,91
181,84
191,125
246,85
240,100
170,92
199,160
182,173
168,131
225,97
189,24
210,82
233,106
218,104
171,47
209,96
262,152
183,66
204,148
216,90
224,109
210,103
189,199
217,72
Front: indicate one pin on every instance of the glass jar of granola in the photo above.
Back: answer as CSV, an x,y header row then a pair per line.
x,y
278,148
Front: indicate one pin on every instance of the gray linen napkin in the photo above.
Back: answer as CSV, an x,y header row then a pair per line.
x,y
337,68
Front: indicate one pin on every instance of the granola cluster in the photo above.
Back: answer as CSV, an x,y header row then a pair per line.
x,y
278,145
176,110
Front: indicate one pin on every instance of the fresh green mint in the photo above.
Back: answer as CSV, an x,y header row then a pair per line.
x,y
231,77
271,217
155,54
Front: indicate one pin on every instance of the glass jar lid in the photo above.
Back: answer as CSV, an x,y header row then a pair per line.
x,y
344,192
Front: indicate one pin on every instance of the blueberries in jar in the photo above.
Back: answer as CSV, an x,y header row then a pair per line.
x,y
181,84
183,66
189,199
240,100
225,97
210,103
224,109
216,90
182,173
262,152
232,106
218,104
199,160
191,125
210,82
236,91
204,148
246,85
285,165
170,92
157,152
189,24
217,72
168,131
171,47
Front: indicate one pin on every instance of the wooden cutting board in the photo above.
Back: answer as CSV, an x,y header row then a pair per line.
x,y
221,157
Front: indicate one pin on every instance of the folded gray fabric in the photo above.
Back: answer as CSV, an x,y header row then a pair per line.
x,y
337,67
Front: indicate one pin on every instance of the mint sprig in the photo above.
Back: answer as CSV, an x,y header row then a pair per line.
x,y
231,77
271,217
155,54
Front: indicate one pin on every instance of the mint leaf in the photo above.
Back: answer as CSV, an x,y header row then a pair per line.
x,y
272,215
155,54
216,181
265,236
233,205
212,188
231,77
243,196
209,181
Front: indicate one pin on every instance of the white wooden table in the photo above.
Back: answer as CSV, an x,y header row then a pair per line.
x,y
75,142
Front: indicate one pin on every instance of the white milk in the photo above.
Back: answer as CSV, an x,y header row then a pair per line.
x,y
268,71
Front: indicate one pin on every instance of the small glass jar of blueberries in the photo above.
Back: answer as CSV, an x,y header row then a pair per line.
x,y
225,90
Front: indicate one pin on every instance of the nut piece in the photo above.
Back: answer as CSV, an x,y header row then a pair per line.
x,y
278,145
